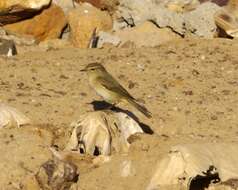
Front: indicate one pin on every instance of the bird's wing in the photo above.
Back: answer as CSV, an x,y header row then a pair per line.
x,y
111,84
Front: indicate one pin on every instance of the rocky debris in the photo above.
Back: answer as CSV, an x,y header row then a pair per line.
x,y
226,19
143,35
200,22
7,47
107,38
11,117
41,27
83,20
218,2
182,5
56,174
142,11
109,5
22,151
65,5
102,132
17,39
147,35
190,162
54,44
13,11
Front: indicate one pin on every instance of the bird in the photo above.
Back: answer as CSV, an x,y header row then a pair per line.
x,y
107,87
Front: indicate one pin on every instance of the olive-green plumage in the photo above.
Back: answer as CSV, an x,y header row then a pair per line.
x,y
107,87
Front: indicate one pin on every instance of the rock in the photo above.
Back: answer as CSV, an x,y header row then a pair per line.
x,y
147,35
11,117
7,47
109,5
142,11
226,19
200,22
15,10
187,163
83,21
107,38
66,5
101,132
42,26
56,174
54,44
182,5
22,151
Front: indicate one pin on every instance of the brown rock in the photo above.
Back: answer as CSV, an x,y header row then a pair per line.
x,y
42,26
102,4
83,21
15,10
146,34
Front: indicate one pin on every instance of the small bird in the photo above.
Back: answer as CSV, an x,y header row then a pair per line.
x,y
107,87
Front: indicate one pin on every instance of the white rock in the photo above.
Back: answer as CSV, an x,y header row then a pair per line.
x,y
104,130
11,117
191,160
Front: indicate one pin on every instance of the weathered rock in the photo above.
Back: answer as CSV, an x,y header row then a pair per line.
x,y
42,26
147,35
11,117
101,132
188,162
7,47
55,44
57,174
139,12
109,5
200,22
22,151
107,38
18,39
14,10
66,5
226,19
83,21
182,5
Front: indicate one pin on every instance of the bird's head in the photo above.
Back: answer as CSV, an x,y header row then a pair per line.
x,y
94,68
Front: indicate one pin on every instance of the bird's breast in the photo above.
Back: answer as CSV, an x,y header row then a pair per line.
x,y
101,90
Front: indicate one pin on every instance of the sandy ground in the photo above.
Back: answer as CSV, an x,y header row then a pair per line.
x,y
190,86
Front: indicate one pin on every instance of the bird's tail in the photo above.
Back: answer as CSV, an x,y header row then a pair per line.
x,y
139,107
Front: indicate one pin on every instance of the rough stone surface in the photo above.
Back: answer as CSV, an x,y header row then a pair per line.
x,y
22,151
15,10
142,11
182,5
200,22
66,5
42,26
147,35
107,38
84,20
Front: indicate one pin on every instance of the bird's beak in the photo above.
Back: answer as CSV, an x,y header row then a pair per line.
x,y
83,70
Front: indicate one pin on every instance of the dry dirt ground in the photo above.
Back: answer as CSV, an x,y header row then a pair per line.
x,y
190,87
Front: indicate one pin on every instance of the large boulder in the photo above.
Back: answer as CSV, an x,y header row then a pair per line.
x,y
14,10
83,20
42,26
147,35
